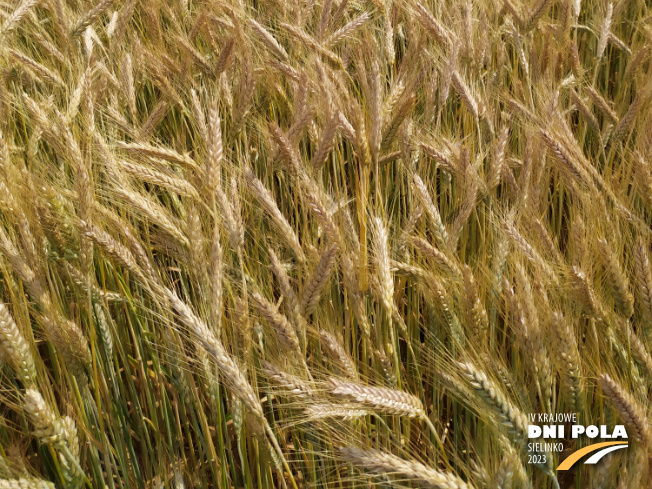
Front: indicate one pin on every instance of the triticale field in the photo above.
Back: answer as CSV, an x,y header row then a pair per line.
x,y
311,244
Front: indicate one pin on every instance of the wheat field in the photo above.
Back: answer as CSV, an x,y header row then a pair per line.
x,y
323,243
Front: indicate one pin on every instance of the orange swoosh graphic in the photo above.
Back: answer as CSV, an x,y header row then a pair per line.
x,y
570,461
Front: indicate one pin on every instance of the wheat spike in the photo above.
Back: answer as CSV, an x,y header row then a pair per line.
x,y
127,78
347,30
231,219
643,272
39,69
617,280
61,433
465,93
433,213
538,11
333,347
292,386
113,248
390,401
563,155
177,185
154,118
509,415
269,204
625,124
602,104
326,142
278,321
498,160
158,214
431,252
586,294
630,412
14,18
475,310
382,463
604,32
440,33
13,343
89,17
383,266
166,154
105,328
585,110
46,423
24,483
316,412
566,345
269,40
215,148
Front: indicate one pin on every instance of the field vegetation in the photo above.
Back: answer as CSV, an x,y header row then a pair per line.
x,y
322,243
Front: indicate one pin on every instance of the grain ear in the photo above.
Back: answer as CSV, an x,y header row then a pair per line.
x,y
390,401
16,348
381,463
628,409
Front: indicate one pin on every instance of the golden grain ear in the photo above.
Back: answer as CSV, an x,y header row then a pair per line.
x,y
628,408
